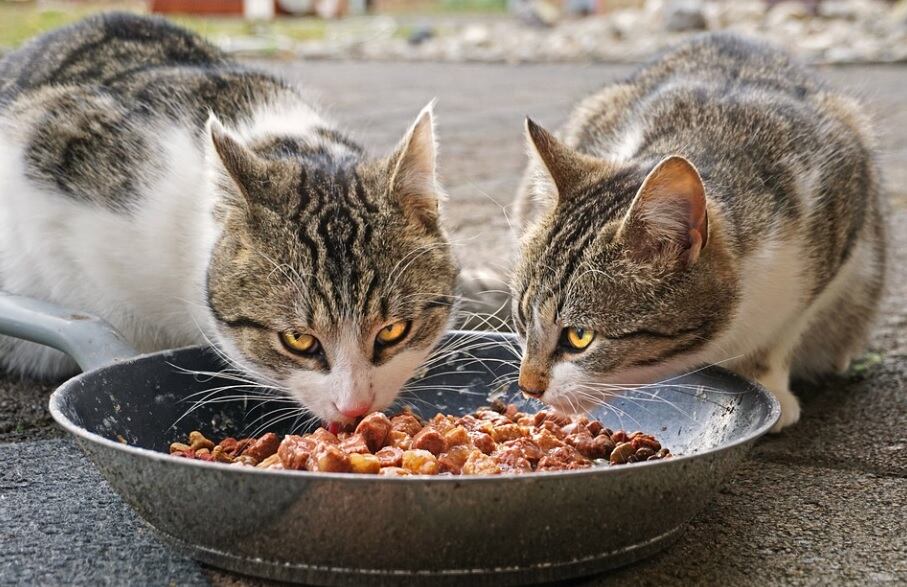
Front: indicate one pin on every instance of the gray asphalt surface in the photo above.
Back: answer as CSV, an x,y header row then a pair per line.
x,y
822,503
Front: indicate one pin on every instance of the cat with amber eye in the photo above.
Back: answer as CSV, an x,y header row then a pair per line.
x,y
576,339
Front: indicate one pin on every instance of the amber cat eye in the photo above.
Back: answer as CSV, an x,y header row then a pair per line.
x,y
393,333
576,338
300,344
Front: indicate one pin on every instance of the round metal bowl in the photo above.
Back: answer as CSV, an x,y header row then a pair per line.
x,y
342,529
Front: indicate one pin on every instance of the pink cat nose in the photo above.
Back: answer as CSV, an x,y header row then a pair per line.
x,y
354,410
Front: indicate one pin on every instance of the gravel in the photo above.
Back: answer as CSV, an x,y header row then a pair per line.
x,y
837,31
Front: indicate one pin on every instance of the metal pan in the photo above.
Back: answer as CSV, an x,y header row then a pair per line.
x,y
336,529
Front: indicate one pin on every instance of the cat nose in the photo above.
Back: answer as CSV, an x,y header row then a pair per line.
x,y
354,409
533,382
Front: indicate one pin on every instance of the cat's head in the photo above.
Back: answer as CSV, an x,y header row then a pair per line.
x,y
625,278
332,277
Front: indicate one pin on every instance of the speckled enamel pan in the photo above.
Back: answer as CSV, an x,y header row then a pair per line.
x,y
342,529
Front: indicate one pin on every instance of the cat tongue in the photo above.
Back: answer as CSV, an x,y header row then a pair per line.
x,y
335,427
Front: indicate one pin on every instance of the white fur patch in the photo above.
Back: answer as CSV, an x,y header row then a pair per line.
x,y
628,146
141,272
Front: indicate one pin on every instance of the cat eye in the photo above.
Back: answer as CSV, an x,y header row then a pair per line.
x,y
575,338
393,333
300,344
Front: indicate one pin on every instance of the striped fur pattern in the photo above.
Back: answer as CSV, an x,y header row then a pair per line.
x,y
148,179
719,206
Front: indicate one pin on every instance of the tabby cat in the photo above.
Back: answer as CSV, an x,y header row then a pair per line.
x,y
147,178
719,206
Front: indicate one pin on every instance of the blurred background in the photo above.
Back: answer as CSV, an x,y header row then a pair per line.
x,y
510,31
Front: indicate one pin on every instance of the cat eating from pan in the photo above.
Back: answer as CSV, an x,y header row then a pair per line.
x,y
184,198
719,206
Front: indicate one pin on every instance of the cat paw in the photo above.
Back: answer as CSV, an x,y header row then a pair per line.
x,y
790,410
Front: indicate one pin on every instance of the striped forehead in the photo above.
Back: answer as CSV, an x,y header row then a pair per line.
x,y
571,230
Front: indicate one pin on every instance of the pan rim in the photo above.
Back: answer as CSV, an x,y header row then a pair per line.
x,y
56,399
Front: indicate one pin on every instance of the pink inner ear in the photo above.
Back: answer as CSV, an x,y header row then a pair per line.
x,y
671,206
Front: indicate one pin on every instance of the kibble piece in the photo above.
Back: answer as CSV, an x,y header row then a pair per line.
x,y
429,439
197,440
619,436
574,428
595,427
364,463
569,455
621,453
478,463
640,440
469,422
354,443
406,423
514,465
526,420
390,456
482,441
602,445
394,472
263,447
328,458
443,423
179,447
493,418
420,462
546,440
554,428
456,436
506,432
528,449
294,451
399,439
452,461
268,462
220,456
582,442
374,429
324,436
643,453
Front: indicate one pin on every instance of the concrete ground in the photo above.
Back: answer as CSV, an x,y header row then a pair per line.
x,y
824,502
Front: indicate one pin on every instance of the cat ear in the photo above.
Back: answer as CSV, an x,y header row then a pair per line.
x,y
561,166
668,216
413,172
240,166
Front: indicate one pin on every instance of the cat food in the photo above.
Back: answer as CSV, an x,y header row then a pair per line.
x,y
492,440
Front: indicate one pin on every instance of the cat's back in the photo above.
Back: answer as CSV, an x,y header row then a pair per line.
x,y
772,142
100,110
101,51
143,65
709,94
729,62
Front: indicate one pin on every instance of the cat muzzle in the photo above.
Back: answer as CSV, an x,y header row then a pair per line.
x,y
533,383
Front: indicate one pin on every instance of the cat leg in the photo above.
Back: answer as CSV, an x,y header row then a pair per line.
x,y
34,360
772,371
776,379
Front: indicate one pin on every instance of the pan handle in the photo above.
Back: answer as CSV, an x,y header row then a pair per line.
x,y
89,340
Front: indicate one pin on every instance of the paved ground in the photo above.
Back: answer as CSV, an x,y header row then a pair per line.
x,y
822,503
